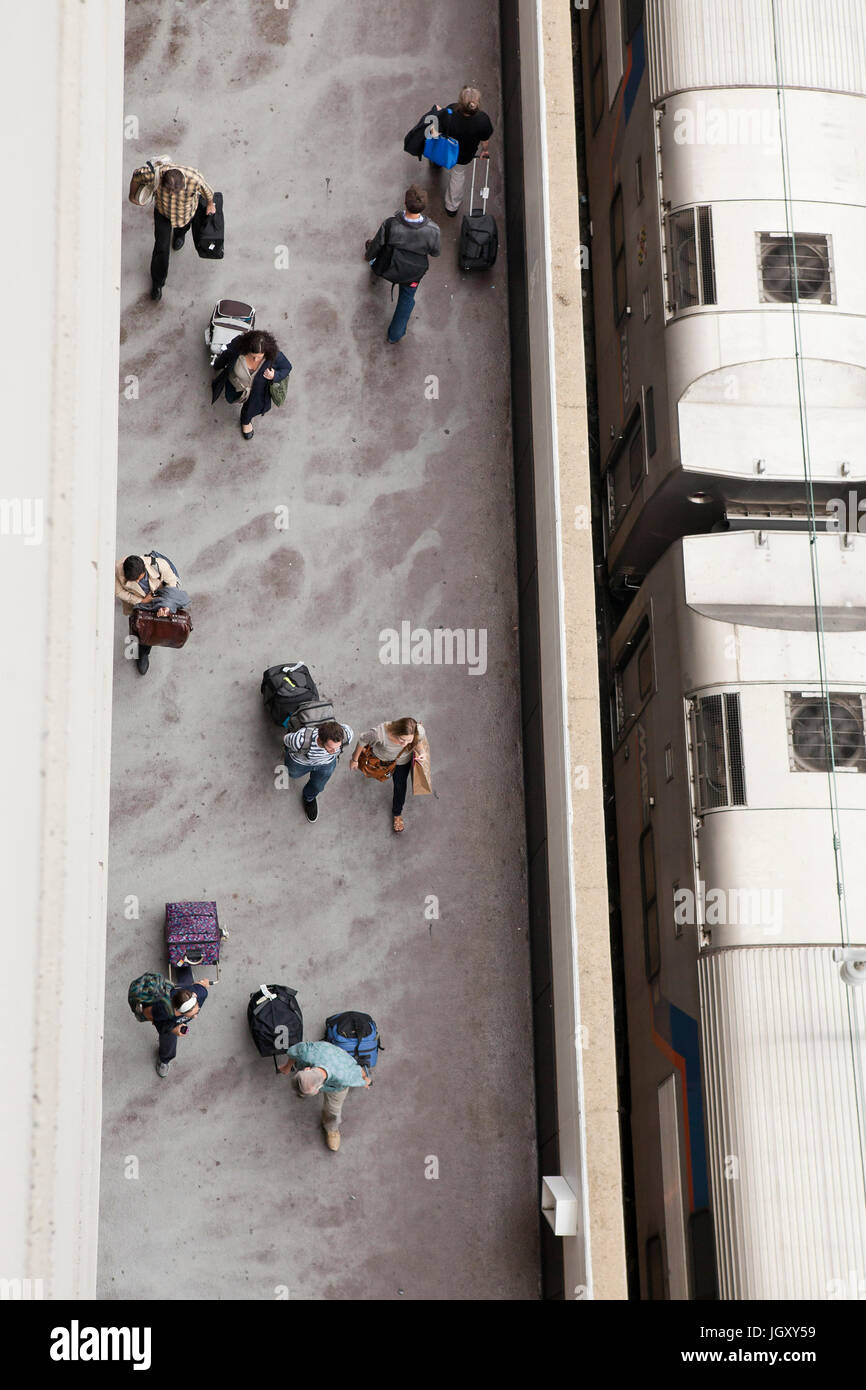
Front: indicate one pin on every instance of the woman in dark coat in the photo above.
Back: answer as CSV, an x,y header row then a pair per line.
x,y
245,369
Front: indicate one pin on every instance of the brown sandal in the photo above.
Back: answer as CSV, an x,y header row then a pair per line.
x,y
398,825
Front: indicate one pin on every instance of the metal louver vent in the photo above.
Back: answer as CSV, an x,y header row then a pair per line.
x,y
795,268
826,732
718,748
691,261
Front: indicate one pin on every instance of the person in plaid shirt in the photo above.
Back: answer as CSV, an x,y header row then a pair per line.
x,y
178,190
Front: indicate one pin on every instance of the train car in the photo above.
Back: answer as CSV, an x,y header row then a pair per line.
x,y
743,963
727,190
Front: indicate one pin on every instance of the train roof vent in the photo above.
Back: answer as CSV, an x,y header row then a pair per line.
x,y
826,731
795,268
718,749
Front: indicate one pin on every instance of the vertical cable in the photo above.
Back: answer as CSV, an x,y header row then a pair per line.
x,y
833,791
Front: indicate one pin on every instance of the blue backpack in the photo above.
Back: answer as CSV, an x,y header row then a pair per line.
x,y
356,1034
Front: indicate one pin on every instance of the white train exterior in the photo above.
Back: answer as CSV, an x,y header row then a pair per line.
x,y
698,226
747,1049
727,184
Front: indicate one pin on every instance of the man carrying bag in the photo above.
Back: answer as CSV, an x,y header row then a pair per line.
x,y
399,253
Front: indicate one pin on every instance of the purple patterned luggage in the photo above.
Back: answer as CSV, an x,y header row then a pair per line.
x,y
192,933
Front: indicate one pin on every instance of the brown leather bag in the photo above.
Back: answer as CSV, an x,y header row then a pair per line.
x,y
374,767
170,631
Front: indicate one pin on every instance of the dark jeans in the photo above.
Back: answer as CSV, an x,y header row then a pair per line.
x,y
167,1040
402,314
319,775
400,778
163,232
232,395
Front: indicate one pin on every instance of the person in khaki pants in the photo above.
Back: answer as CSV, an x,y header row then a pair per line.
x,y
470,127
320,1066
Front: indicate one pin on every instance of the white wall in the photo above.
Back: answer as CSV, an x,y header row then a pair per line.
x,y
62,113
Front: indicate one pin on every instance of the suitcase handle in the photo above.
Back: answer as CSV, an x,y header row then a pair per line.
x,y
485,192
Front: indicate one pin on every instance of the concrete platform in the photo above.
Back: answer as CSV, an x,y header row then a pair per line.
x,y
395,466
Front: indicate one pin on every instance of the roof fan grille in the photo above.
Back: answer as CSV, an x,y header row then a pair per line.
x,y
810,733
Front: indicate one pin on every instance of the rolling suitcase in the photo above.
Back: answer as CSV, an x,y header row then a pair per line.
x,y
275,1020
479,237
193,935
285,689
229,318
357,1034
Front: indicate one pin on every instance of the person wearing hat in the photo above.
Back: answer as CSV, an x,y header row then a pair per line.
x,y
187,999
320,1066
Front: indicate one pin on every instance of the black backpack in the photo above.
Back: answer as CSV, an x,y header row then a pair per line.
x,y
275,1020
398,264
286,688
208,230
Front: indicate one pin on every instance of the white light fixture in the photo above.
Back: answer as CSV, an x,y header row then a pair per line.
x,y
559,1205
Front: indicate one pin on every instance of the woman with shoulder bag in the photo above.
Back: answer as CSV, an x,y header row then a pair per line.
x,y
393,750
248,369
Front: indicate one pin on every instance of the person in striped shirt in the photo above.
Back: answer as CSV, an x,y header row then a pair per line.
x,y
175,202
315,750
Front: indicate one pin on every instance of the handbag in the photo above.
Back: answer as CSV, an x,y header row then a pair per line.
x,y
421,781
208,229
372,766
441,150
278,390
169,631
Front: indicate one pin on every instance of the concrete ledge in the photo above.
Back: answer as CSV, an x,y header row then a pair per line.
x,y
62,293
569,821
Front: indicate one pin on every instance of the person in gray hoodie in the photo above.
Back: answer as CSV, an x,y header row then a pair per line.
x,y
399,252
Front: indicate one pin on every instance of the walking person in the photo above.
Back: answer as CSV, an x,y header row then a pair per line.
x,y
313,753
390,751
320,1066
465,122
247,369
152,583
172,1023
399,253
176,193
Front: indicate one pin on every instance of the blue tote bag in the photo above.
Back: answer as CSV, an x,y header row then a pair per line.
x,y
441,149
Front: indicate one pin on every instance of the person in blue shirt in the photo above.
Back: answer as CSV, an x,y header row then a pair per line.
x,y
186,1002
320,1066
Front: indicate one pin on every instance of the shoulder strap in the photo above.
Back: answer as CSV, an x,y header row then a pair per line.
x,y
308,737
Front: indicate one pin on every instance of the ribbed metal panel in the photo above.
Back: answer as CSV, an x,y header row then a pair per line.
x,y
784,1055
704,43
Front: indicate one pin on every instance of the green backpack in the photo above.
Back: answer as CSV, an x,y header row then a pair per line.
x,y
279,390
146,990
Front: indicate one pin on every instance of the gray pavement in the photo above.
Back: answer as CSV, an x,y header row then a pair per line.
x,y
395,466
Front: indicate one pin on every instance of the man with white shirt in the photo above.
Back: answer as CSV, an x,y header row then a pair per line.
x,y
314,751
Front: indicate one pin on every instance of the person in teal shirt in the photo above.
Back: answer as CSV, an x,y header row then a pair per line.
x,y
320,1066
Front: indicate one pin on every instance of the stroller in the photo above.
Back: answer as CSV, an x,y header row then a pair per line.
x,y
229,318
